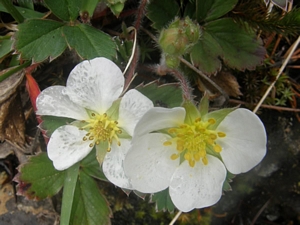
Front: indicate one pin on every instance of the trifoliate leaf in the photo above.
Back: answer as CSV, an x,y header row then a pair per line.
x,y
39,39
162,12
66,10
163,201
89,205
167,95
38,179
89,42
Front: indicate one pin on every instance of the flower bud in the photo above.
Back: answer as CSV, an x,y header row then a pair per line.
x,y
179,37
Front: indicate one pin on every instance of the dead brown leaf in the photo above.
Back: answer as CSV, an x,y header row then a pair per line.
x,y
225,80
12,121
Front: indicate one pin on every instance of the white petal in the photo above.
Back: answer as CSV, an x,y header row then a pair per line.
x,y
245,143
132,107
52,102
159,118
148,163
95,84
199,186
113,164
66,147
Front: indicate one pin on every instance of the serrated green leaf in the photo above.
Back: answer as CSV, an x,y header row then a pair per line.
x,y
239,49
205,54
89,205
39,39
167,95
91,166
66,10
213,9
89,42
38,179
163,201
5,47
26,13
161,13
51,123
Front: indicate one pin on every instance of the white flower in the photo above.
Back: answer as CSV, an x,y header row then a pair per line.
x,y
176,149
91,98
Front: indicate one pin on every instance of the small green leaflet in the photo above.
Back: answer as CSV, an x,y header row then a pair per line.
x,y
163,201
66,10
51,123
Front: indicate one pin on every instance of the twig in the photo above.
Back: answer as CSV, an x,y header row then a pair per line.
x,y
278,75
266,106
260,212
175,218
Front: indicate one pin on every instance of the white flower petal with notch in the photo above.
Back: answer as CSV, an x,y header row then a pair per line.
x,y
113,164
95,84
66,147
199,186
52,102
245,143
148,164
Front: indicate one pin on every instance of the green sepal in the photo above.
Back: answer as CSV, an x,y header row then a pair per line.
x,y
228,180
113,111
203,105
101,150
192,113
219,116
51,123
163,201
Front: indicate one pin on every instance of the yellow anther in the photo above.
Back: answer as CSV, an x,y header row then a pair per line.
x,y
197,120
167,143
213,136
221,134
91,138
93,114
191,163
217,148
91,145
211,121
204,160
84,138
174,156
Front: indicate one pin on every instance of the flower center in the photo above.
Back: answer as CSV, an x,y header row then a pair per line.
x,y
101,129
193,140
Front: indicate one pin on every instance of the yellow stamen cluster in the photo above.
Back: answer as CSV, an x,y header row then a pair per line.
x,y
101,129
193,140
